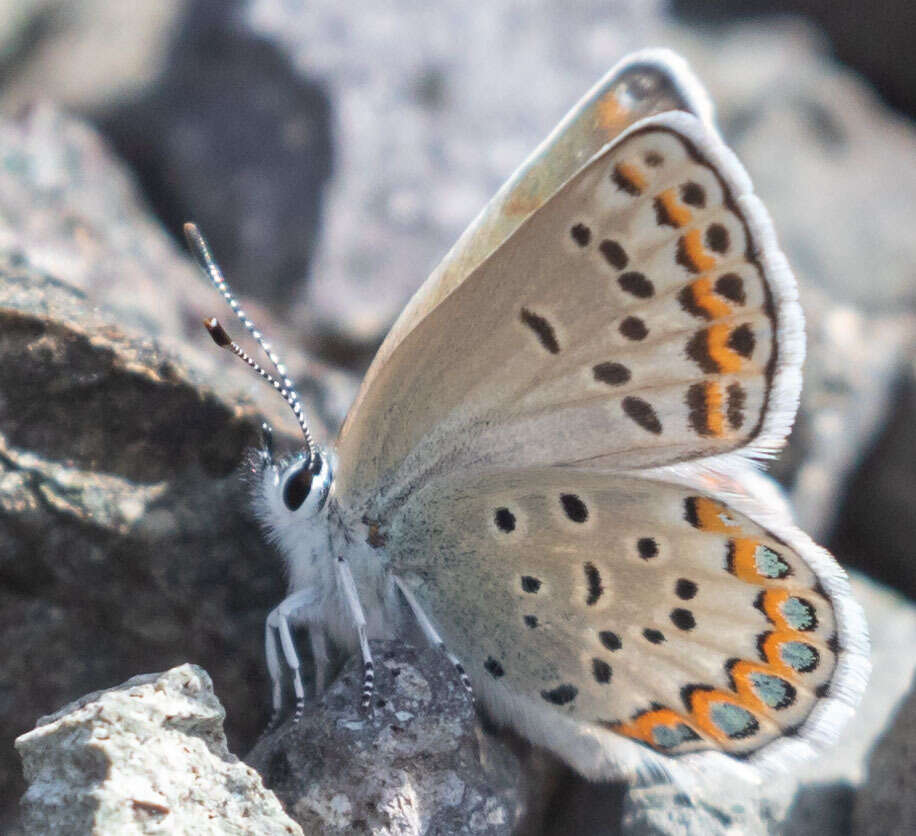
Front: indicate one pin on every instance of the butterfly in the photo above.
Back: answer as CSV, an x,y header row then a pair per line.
x,y
550,466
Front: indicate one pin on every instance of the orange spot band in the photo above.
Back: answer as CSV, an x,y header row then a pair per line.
x,y
676,212
705,298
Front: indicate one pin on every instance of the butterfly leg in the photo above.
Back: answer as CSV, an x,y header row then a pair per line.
x,y
432,635
348,586
277,624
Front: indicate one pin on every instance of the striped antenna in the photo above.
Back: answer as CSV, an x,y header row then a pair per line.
x,y
283,385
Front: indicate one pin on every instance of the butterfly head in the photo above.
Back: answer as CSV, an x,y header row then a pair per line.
x,y
293,488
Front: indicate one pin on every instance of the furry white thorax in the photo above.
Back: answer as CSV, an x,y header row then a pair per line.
x,y
311,539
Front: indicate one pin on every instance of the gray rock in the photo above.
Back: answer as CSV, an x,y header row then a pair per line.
x,y
886,803
125,541
417,764
149,756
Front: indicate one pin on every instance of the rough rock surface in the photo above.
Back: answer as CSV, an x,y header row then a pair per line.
x,y
125,543
887,801
149,756
418,764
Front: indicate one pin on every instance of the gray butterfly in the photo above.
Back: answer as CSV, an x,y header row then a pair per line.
x,y
549,464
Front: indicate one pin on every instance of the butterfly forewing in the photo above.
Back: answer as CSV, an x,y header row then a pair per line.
x,y
646,83
628,323
642,609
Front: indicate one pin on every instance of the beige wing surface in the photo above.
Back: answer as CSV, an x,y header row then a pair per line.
x,y
642,316
620,609
643,84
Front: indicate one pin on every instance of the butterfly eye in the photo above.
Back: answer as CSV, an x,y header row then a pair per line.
x,y
297,487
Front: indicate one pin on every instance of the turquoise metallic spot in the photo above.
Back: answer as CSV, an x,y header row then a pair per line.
x,y
667,737
769,564
799,656
772,691
733,720
799,613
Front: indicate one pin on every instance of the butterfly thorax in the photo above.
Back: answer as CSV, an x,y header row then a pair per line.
x,y
295,501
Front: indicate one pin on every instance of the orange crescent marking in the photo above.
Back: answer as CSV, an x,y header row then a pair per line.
x,y
709,513
741,675
744,562
715,419
771,647
632,173
700,702
696,252
705,298
773,599
728,361
677,212
641,728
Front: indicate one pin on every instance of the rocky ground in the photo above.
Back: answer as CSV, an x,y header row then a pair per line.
x,y
353,148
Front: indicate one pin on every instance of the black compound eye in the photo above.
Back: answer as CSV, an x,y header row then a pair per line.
x,y
297,487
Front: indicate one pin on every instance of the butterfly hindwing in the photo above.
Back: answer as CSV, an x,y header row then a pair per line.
x,y
641,317
638,609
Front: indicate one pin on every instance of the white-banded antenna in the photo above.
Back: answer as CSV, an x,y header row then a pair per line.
x,y
283,385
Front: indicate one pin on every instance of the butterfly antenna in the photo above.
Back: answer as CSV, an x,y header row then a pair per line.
x,y
284,385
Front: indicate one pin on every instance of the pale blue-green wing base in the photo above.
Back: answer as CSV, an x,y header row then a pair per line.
x,y
624,622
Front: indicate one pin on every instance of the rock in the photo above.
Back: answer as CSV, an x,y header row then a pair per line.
x,y
149,756
417,764
125,539
431,114
886,803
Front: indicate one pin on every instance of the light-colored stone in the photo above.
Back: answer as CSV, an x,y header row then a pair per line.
x,y
149,756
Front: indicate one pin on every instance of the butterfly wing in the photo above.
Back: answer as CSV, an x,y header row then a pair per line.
x,y
642,316
648,82
628,617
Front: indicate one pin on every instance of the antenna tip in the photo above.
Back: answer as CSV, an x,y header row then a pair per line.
x,y
217,332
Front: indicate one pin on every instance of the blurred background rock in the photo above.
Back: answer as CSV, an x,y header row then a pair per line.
x,y
332,153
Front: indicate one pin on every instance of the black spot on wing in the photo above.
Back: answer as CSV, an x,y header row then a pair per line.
x,y
683,619
561,695
602,672
493,668
690,511
542,329
614,254
505,520
653,636
731,287
642,413
636,284
693,194
735,405
717,238
633,328
581,234
574,507
614,374
742,340
531,621
697,409
685,589
647,548
593,583
610,640
530,584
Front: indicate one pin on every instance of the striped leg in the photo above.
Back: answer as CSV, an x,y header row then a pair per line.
x,y
432,635
277,624
348,586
